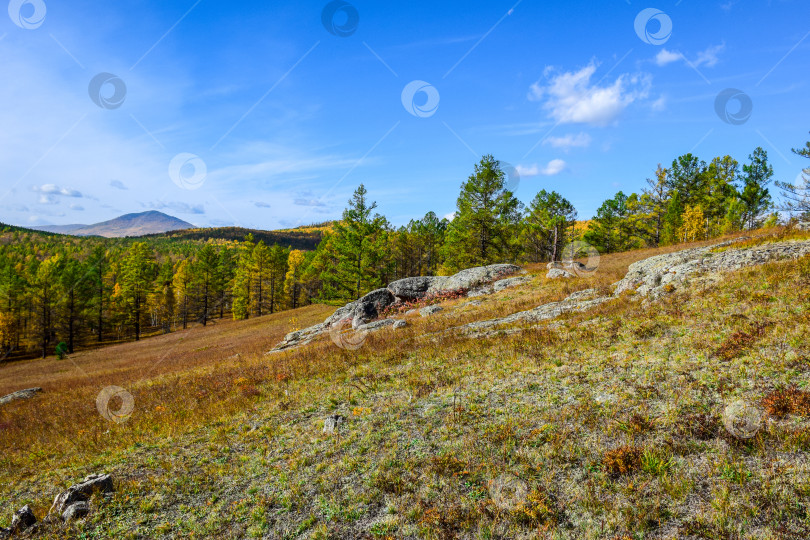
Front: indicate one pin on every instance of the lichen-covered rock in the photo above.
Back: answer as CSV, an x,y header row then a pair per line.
x,y
400,324
331,424
430,310
658,275
376,325
28,393
557,273
371,306
474,277
76,511
414,288
82,491
509,282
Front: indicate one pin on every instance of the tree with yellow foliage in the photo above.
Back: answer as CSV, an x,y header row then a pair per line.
x,y
694,223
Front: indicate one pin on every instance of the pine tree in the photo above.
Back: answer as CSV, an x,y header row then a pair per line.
x,y
487,215
243,280
607,231
755,196
360,250
688,177
205,275
546,225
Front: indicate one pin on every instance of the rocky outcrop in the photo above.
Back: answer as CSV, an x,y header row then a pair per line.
x,y
662,274
579,301
650,279
363,313
20,394
502,284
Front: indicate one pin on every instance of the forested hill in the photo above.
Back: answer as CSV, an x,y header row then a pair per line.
x,y
297,239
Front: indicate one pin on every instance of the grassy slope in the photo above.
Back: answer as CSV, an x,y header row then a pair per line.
x,y
226,446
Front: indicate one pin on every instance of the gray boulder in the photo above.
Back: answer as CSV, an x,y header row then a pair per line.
x,y
430,310
340,314
414,288
371,306
557,273
82,491
20,394
22,520
76,511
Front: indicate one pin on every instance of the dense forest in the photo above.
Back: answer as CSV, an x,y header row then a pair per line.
x,y
59,293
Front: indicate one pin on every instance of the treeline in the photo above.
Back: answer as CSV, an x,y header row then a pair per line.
x,y
58,293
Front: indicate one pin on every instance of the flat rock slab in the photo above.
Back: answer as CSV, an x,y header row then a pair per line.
x,y
20,394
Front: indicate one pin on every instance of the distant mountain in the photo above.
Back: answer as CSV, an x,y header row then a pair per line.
x,y
140,224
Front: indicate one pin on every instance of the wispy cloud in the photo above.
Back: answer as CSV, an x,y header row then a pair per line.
x,y
54,190
176,206
554,167
580,140
118,184
261,204
708,57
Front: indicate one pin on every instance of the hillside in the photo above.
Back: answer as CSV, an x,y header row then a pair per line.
x,y
477,421
137,224
306,240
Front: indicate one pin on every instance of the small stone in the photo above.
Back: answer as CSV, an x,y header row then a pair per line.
x,y
23,519
331,424
82,491
76,510
400,324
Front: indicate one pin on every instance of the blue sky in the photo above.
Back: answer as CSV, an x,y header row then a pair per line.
x,y
255,114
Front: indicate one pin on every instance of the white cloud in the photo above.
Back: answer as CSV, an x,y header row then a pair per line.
x,y
308,202
709,57
571,98
580,140
665,57
555,166
53,190
450,217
